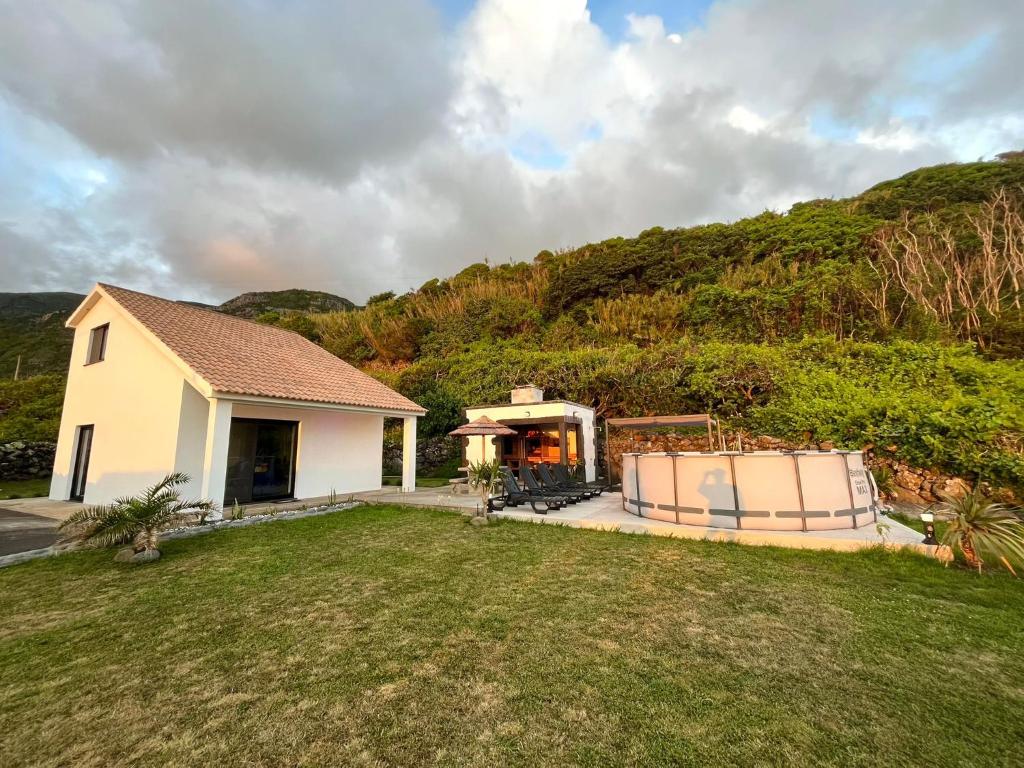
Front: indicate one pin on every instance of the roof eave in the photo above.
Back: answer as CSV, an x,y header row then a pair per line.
x,y
281,402
83,309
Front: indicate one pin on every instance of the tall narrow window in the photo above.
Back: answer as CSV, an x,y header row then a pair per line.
x,y
97,344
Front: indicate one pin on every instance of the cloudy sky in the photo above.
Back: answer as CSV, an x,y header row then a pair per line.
x,y
199,149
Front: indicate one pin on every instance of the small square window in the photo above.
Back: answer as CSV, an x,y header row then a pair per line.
x,y
97,344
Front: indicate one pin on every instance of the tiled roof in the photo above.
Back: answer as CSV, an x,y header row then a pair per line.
x,y
242,357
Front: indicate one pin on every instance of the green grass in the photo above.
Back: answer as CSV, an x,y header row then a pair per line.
x,y
421,482
396,636
24,489
916,523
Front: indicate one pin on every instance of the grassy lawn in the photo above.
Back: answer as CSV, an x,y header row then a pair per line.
x,y
396,636
24,489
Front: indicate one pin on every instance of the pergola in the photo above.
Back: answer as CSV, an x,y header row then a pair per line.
x,y
654,422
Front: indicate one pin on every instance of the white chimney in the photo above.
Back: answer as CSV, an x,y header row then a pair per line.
x,y
528,393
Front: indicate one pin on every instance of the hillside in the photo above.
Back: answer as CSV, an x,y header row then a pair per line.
x,y
253,305
32,327
892,318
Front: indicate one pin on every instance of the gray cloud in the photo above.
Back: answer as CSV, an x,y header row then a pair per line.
x,y
319,88
201,149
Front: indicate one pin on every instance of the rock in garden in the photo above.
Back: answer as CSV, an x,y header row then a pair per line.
x,y
146,556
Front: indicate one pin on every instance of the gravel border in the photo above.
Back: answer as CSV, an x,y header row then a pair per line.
x,y
190,531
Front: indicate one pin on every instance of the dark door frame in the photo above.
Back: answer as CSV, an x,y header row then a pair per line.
x,y
295,454
80,465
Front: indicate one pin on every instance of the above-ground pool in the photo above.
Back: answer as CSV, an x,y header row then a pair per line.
x,y
763,490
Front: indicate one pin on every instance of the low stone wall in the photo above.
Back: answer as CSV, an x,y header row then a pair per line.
x,y
913,484
23,460
431,453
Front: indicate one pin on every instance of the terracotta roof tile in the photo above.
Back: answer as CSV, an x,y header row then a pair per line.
x,y
242,357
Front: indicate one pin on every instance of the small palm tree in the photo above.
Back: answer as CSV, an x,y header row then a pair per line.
x,y
136,519
484,476
981,526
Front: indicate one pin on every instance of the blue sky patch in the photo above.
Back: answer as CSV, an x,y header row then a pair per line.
x,y
537,151
826,125
679,16
932,65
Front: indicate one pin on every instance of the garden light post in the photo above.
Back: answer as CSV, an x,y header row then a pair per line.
x,y
928,518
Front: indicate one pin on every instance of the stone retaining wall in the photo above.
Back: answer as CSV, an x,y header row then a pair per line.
x,y
23,460
912,484
431,453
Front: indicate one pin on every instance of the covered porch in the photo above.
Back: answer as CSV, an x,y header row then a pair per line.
x,y
551,440
548,431
257,451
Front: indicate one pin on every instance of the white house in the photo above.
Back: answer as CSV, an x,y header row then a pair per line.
x,y
249,411
553,431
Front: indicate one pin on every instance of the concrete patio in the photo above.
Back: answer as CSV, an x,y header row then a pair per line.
x,y
605,513
41,516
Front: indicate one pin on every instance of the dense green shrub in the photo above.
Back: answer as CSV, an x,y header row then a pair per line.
x,y
30,408
939,186
299,322
685,258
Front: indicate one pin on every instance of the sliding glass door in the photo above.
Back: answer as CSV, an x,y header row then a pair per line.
x,y
261,461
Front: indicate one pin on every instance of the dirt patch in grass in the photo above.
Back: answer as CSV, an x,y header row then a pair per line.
x,y
394,636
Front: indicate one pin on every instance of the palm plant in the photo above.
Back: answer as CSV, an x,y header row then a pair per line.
x,y
484,476
136,519
979,526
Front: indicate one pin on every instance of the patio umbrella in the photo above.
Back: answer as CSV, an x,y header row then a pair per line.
x,y
484,427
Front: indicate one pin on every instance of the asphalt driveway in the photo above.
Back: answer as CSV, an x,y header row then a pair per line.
x,y
21,531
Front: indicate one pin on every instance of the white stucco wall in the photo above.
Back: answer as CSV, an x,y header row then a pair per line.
x,y
193,413
337,449
133,397
535,410
150,419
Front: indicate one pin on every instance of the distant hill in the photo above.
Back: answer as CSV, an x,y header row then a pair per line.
x,y
32,327
17,305
252,305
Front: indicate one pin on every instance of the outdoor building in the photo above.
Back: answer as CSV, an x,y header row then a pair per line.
x,y
551,431
249,411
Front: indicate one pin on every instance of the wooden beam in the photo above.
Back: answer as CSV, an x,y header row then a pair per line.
x,y
539,420
563,444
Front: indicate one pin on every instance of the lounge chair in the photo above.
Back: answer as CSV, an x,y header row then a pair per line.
x,y
562,473
533,485
553,483
515,495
